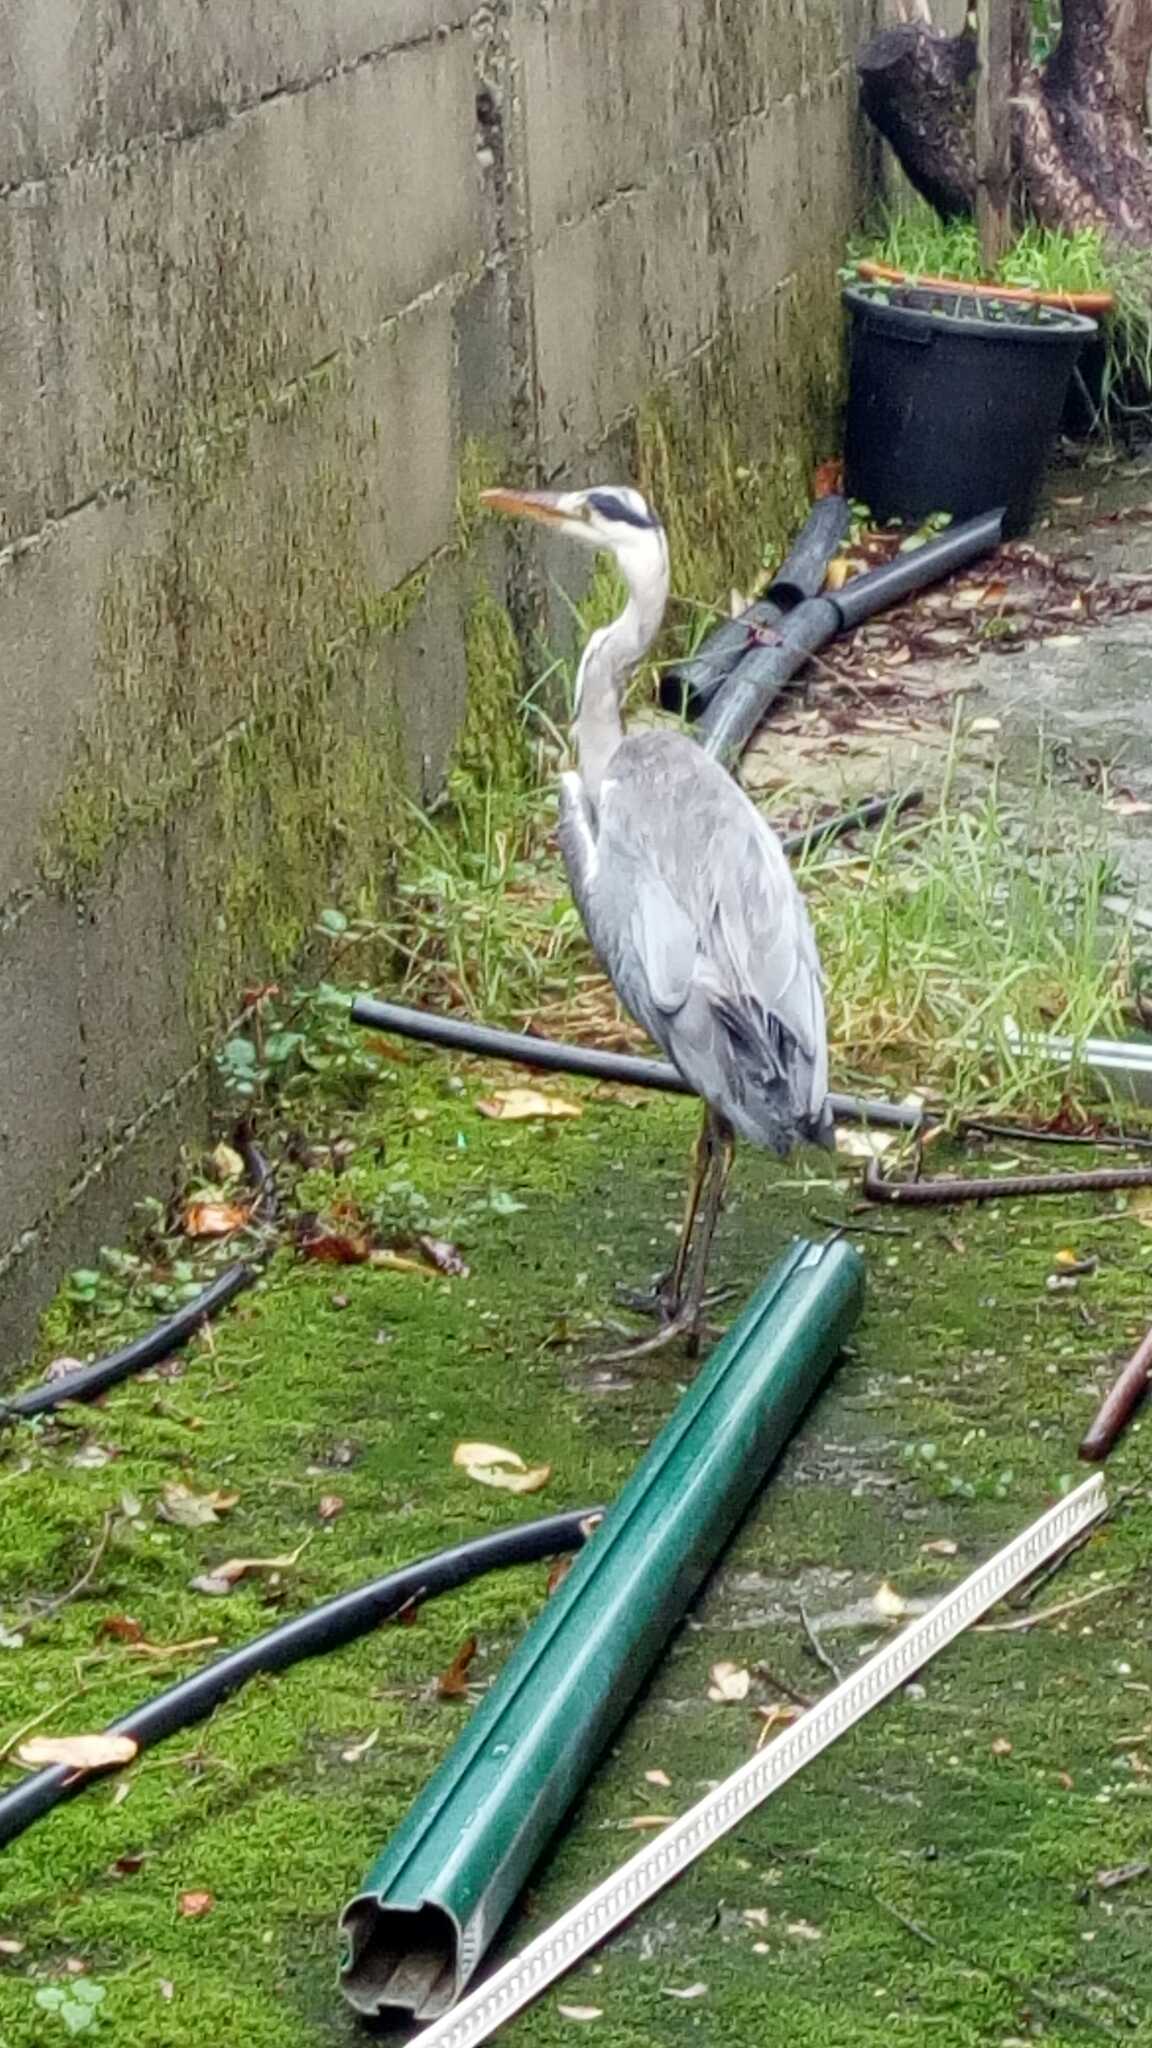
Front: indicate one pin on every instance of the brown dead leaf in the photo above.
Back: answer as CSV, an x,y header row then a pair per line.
x,y
580,2012
213,1219
81,1752
187,1510
332,1246
223,1577
121,1628
491,1465
452,1683
557,1575
194,1905
127,1866
1128,807
730,1683
9,1947
329,1507
940,1546
658,1778
443,1256
649,1820
1001,1746
689,1991
521,1105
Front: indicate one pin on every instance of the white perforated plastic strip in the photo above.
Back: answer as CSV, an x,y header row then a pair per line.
x,y
514,1986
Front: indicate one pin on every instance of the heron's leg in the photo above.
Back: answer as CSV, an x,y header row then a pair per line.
x,y
687,1318
692,1300
663,1299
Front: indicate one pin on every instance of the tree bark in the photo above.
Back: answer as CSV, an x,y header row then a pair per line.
x,y
1079,150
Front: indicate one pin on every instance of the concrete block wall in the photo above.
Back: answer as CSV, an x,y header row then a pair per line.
x,y
279,281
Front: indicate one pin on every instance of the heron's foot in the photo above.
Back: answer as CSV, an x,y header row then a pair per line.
x,y
659,1300
686,1328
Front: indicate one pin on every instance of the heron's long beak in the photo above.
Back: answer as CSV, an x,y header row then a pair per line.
x,y
545,507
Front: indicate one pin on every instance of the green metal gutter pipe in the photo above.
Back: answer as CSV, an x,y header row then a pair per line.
x,y
433,1902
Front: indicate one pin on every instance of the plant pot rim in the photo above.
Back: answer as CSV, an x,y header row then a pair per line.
x,y
924,320
1090,304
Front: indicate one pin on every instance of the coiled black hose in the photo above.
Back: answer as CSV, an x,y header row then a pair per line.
x,y
328,1627
154,1345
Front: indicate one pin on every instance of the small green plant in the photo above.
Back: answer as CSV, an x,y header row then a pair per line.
x,y
75,2005
124,1278
305,1043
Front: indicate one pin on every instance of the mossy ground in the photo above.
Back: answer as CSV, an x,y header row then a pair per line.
x,y
914,1885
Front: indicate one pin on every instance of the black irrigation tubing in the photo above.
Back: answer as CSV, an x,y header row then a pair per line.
x,y
327,1627
948,1192
875,812
155,1344
553,1055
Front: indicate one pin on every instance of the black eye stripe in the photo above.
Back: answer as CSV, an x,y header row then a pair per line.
x,y
610,506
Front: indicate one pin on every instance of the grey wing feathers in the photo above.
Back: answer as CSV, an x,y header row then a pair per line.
x,y
695,914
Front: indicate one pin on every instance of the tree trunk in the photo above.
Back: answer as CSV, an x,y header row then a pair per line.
x,y
1079,150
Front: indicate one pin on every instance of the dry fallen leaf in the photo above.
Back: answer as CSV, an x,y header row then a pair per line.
x,y
980,726
190,1510
121,1628
329,1507
452,1683
864,1144
804,1930
443,1256
1128,807
213,1219
330,1245
223,1577
1001,1746
227,1163
649,1820
493,1466
82,1752
779,1715
519,1105
557,1575
689,1991
838,573
387,1261
580,2012
730,1683
941,1546
357,1750
194,1905
11,1948
657,1778
756,1916
888,1602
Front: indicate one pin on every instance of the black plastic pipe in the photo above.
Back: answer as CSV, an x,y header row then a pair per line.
x,y
752,685
692,684
328,1627
875,812
554,1056
155,1344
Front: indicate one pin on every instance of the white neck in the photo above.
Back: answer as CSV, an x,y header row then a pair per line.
x,y
612,654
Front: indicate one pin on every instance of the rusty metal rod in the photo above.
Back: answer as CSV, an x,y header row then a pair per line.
x,y
949,1191
1119,1404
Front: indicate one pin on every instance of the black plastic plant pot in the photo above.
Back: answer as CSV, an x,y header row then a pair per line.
x,y
954,401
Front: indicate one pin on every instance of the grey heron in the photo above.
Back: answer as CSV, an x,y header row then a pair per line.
x,y
686,895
